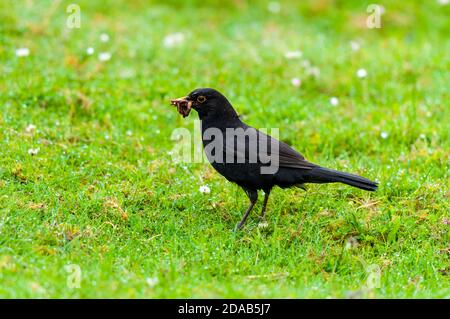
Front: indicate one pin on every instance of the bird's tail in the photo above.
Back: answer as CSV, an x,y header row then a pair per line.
x,y
326,175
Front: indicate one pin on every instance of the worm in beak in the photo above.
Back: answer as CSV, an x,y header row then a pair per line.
x,y
183,105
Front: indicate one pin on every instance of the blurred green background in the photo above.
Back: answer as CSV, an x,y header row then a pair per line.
x,y
86,176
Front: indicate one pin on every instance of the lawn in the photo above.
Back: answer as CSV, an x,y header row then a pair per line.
x,y
93,205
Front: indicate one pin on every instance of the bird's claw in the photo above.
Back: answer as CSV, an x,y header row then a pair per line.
x,y
238,227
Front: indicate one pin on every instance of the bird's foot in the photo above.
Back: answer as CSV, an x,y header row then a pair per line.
x,y
238,227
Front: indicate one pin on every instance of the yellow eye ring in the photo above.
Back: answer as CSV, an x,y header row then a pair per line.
x,y
201,99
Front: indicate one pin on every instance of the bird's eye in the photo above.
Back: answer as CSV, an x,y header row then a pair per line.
x,y
201,99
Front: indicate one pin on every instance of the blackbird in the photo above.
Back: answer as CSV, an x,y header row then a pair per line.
x,y
250,158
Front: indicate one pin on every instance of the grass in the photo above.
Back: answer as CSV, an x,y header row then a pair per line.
x,y
103,192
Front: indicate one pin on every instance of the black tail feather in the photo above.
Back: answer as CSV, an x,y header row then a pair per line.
x,y
326,175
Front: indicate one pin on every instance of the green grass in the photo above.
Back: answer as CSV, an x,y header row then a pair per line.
x,y
103,192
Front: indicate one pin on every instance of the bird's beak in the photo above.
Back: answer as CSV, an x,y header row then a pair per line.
x,y
183,105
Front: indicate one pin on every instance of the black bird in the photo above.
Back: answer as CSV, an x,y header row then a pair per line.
x,y
234,157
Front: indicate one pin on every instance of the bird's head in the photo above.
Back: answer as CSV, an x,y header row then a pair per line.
x,y
206,101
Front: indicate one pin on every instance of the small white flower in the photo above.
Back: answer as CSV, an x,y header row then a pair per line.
x,y
104,37
104,56
422,136
443,2
314,71
30,128
90,51
355,45
293,54
204,189
306,64
36,288
334,101
361,73
173,39
274,7
384,135
22,52
129,133
263,225
127,73
296,82
33,151
152,281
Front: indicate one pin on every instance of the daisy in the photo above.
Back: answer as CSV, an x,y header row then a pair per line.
x,y
104,37
361,73
334,101
306,64
293,54
152,281
314,71
30,128
355,45
33,151
104,56
204,189
263,225
173,39
22,52
296,82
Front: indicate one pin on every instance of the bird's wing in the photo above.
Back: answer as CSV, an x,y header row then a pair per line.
x,y
287,156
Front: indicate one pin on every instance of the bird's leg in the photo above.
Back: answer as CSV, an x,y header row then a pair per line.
x,y
263,211
253,196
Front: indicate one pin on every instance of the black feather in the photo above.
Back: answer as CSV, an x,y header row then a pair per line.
x,y
326,175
